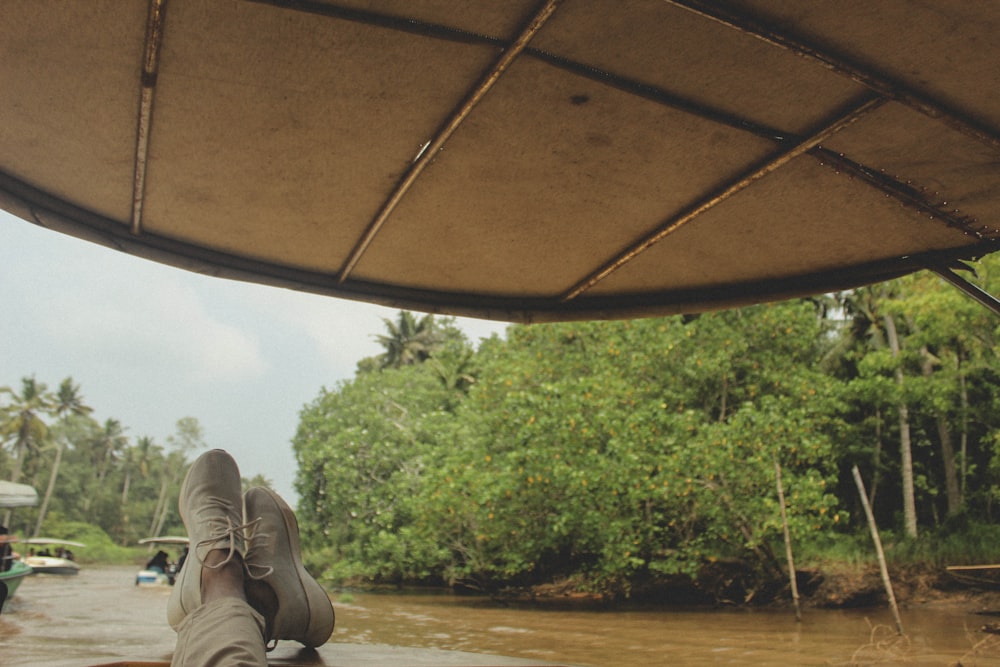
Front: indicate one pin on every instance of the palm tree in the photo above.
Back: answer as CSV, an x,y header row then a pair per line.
x,y
905,441
188,439
409,341
68,402
456,372
20,422
109,444
136,460
874,324
113,442
173,465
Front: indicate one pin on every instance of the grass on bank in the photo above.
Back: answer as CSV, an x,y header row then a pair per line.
x,y
970,543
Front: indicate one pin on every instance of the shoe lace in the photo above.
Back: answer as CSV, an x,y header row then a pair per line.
x,y
257,542
230,533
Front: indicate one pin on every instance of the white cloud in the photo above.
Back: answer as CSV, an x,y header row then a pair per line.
x,y
146,316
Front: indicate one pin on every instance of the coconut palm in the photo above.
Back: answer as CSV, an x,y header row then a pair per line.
x,y
68,402
21,423
874,325
136,460
110,442
409,340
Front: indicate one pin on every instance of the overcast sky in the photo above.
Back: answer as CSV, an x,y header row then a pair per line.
x,y
150,344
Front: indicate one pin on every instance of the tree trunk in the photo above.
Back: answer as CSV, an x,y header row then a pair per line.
x,y
905,444
48,490
15,474
162,519
953,493
21,450
876,457
125,487
964,442
724,398
953,489
160,502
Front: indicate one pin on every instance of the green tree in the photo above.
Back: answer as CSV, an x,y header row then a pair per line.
x,y
105,450
258,481
68,402
187,439
136,460
22,423
362,451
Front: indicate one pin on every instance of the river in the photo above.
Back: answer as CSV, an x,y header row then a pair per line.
x,y
99,616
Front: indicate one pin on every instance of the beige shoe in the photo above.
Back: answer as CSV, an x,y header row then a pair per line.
x,y
296,607
211,505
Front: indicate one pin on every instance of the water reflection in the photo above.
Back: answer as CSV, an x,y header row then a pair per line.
x,y
942,635
100,616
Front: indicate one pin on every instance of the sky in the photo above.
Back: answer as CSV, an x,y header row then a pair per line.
x,y
150,344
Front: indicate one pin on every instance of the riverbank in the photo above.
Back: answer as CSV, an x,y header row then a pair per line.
x,y
836,586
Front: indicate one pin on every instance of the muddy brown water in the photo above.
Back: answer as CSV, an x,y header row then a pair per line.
x,y
100,616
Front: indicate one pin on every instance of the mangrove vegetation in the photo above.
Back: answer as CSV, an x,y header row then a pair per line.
x,y
610,457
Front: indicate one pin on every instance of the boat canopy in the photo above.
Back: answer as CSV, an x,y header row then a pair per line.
x,y
17,495
522,160
167,539
51,541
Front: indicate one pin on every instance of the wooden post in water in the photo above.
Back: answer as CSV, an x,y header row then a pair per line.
x,y
878,548
788,541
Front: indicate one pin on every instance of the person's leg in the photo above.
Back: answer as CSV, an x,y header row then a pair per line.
x,y
216,627
224,630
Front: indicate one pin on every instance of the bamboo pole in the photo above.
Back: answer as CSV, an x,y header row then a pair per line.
x,y
878,548
788,541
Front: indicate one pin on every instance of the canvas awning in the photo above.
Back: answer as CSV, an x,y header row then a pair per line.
x,y
17,495
517,160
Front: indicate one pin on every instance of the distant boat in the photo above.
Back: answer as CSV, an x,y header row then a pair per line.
x,y
166,575
12,571
11,579
46,562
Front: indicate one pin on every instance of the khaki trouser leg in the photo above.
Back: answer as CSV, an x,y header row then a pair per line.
x,y
223,633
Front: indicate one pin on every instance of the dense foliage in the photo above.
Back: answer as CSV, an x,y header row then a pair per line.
x,y
617,452
96,483
608,454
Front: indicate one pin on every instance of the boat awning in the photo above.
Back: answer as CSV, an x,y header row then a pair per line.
x,y
167,539
50,541
17,495
523,160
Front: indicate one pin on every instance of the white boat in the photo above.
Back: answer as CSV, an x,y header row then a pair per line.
x,y
54,557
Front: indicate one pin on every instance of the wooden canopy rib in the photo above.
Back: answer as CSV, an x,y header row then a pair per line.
x,y
372,18
612,79
906,194
429,152
755,173
864,75
659,95
150,69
